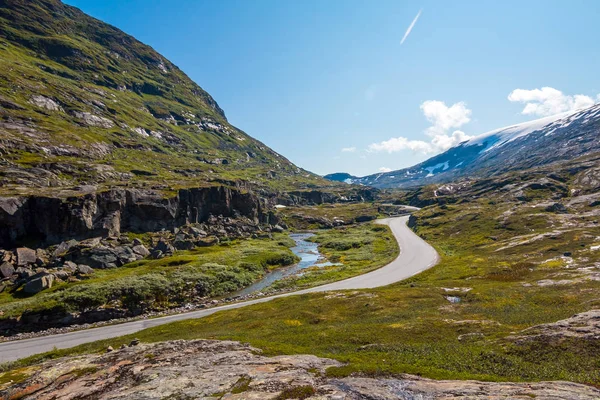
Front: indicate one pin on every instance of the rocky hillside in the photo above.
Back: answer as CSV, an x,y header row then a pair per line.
x,y
83,103
536,143
229,370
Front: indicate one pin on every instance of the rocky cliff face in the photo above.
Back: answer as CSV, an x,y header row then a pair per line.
x,y
229,370
51,220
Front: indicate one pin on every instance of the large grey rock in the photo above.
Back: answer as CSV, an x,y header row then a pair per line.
x,y
26,256
64,247
69,266
85,269
164,247
141,250
6,270
99,257
38,284
200,369
63,275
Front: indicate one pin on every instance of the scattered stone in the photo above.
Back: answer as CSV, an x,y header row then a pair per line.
x,y
36,285
25,256
85,269
141,250
164,247
63,275
277,229
64,247
134,342
70,266
109,349
6,270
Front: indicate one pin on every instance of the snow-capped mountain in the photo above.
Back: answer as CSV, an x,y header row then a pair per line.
x,y
529,144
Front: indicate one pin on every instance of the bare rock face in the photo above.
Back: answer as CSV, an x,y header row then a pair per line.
x,y
94,214
585,325
207,369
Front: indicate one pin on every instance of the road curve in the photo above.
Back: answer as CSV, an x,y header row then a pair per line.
x,y
416,255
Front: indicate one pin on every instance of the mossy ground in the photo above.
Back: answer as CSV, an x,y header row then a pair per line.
x,y
353,250
157,284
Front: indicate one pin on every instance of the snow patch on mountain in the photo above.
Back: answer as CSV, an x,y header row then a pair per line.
x,y
499,137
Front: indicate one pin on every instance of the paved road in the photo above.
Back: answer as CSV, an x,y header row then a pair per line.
x,y
415,256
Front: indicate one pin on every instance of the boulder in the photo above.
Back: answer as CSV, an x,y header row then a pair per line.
x,y
364,218
277,229
141,250
125,255
62,275
85,269
6,270
41,257
64,248
69,266
24,272
184,244
25,256
165,247
197,231
101,257
38,284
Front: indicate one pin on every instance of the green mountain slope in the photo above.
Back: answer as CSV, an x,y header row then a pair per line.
x,y
83,103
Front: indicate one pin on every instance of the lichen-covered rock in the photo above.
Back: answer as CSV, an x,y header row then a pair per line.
x,y
208,369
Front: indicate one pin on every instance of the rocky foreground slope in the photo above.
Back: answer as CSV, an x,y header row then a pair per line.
x,y
204,369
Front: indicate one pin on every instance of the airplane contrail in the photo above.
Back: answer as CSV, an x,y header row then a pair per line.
x,y
412,25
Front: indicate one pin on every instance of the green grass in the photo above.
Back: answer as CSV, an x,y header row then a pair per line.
x,y
159,284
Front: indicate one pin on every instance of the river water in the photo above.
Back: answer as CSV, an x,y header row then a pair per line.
x,y
309,256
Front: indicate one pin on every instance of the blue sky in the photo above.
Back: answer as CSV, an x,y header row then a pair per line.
x,y
310,78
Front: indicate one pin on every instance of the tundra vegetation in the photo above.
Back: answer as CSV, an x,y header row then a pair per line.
x,y
512,259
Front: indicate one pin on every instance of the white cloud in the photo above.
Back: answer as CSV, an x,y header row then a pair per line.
x,y
443,119
349,149
385,169
549,101
394,145
410,28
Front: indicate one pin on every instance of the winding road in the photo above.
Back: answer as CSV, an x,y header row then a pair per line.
x,y
416,255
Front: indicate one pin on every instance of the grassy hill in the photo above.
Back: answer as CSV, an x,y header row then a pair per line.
x,y
83,103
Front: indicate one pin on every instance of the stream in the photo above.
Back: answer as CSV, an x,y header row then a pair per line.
x,y
309,256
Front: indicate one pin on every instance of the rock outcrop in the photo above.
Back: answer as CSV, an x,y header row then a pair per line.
x,y
51,220
205,369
